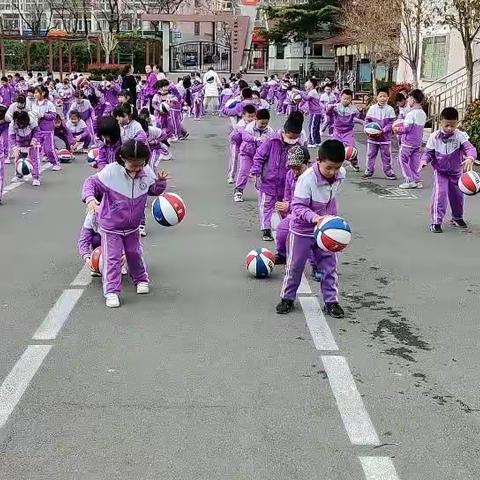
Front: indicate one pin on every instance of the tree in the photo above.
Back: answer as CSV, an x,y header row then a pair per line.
x,y
298,22
33,14
108,42
416,15
69,12
367,24
464,16
160,6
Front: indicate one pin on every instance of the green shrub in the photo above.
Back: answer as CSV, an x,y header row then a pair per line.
x,y
98,70
471,123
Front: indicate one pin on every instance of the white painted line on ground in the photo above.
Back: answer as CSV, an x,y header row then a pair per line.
x,y
57,316
379,468
304,288
12,186
17,381
317,324
355,417
83,278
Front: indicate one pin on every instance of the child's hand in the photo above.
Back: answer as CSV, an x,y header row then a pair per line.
x,y
467,164
163,176
92,207
318,219
422,165
281,206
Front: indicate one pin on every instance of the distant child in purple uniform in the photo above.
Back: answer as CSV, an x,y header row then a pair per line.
x,y
383,114
411,134
270,169
450,153
314,198
123,187
108,131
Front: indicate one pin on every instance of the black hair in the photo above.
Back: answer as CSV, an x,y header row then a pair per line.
x,y
22,119
124,93
122,110
144,113
126,70
3,111
400,97
162,83
4,79
383,90
74,112
249,108
143,123
42,89
255,93
247,93
134,150
242,84
257,83
109,77
449,113
314,82
108,126
417,95
263,114
78,94
348,92
294,123
332,150
21,99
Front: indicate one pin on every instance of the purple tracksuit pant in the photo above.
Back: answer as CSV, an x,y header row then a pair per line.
x,y
2,175
113,246
410,162
46,142
348,139
314,129
177,126
266,207
233,161
385,155
245,162
445,191
165,122
4,144
298,251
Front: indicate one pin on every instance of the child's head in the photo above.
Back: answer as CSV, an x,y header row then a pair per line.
x,y
331,155
327,89
382,96
123,96
31,93
297,159
312,84
108,130
58,121
134,156
347,97
415,97
247,93
263,119
79,96
449,120
74,117
144,114
66,81
257,83
21,119
256,97
187,81
249,113
3,111
21,102
4,80
400,99
123,113
162,86
242,84
40,92
292,128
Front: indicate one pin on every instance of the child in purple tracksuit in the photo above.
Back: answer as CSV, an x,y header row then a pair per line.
x,y
449,152
297,162
248,116
108,132
45,112
316,111
411,134
79,130
23,133
383,114
270,169
249,139
281,96
62,138
235,108
7,92
272,88
130,129
84,108
161,107
156,139
4,123
197,109
314,198
65,93
110,94
342,117
124,187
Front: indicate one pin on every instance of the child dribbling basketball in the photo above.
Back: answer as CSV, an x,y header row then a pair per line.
x,y
123,187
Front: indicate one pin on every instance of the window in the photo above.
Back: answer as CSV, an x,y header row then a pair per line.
x,y
434,57
280,52
317,50
196,29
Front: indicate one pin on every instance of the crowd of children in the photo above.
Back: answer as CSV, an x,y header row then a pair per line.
x,y
41,118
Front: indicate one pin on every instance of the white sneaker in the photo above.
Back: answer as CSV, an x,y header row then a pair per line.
x,y
16,179
143,231
95,274
112,300
407,185
230,180
238,197
36,182
124,270
143,288
56,168
419,185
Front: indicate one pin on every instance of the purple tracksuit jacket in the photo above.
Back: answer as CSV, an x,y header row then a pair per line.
x,y
133,131
107,154
237,109
384,115
7,94
446,153
343,120
89,238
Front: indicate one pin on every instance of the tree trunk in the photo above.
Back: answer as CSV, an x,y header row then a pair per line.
x,y
374,77
414,68
469,69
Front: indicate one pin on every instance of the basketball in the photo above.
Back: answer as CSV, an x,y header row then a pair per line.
x,y
397,124
168,209
469,183
82,82
64,155
373,128
231,103
260,262
96,260
92,157
351,153
164,107
23,167
297,98
333,234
